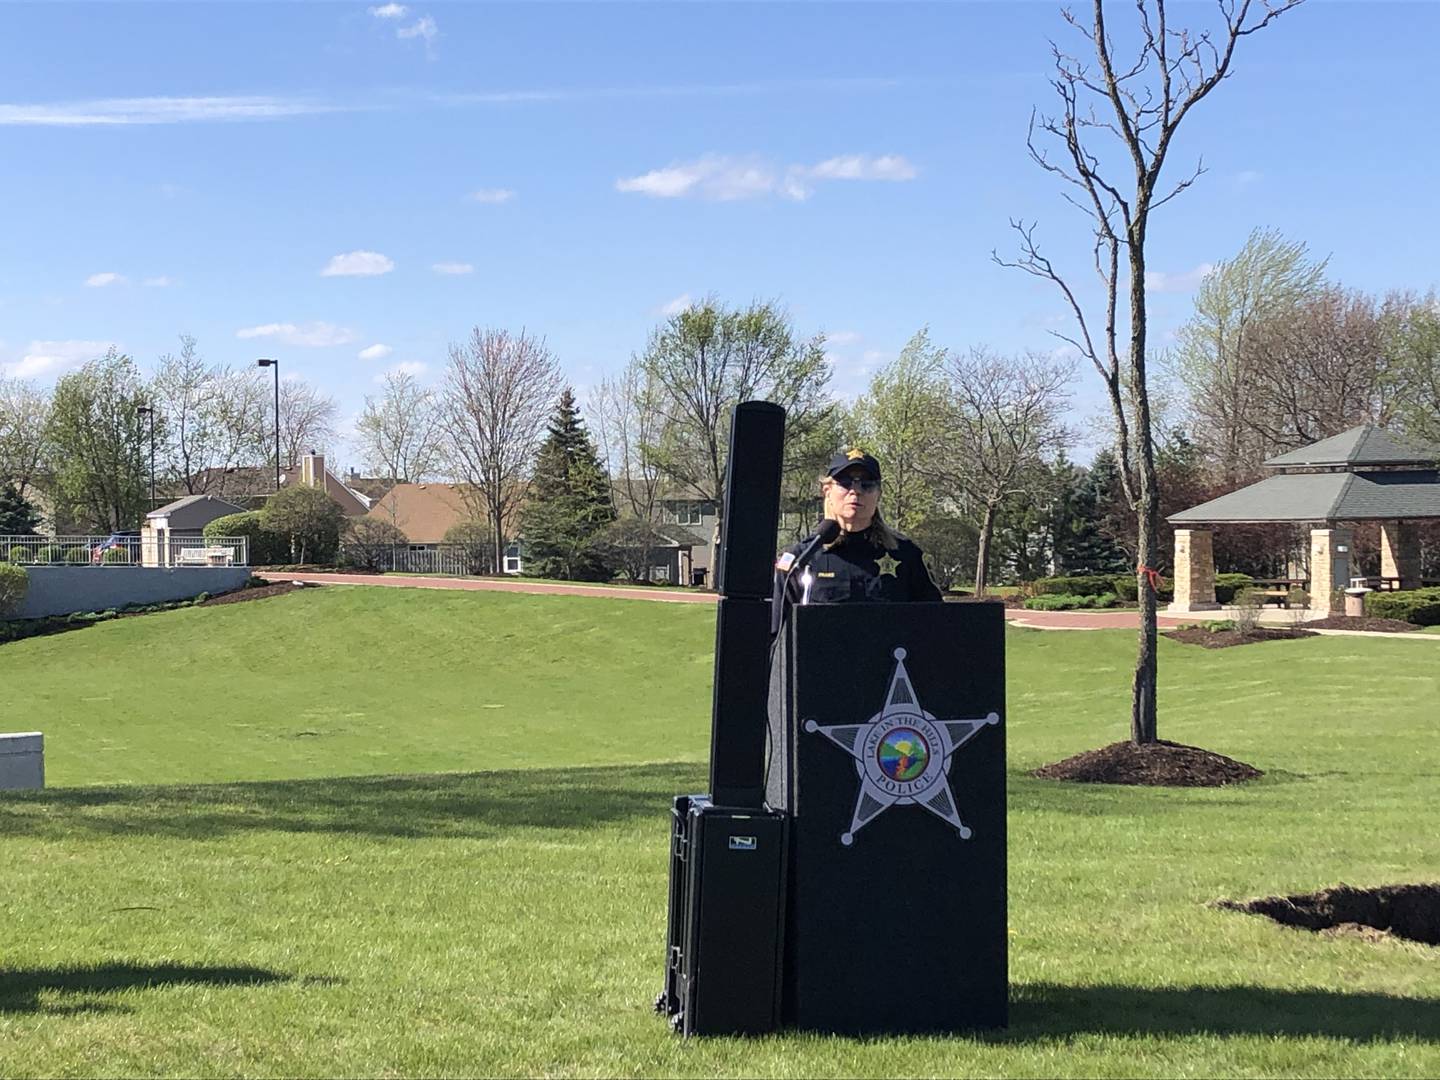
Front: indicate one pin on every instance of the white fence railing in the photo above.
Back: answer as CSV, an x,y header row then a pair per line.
x,y
454,559
118,549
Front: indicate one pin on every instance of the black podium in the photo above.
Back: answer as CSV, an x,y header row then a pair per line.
x,y
887,750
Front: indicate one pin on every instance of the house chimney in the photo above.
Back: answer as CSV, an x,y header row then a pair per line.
x,y
312,470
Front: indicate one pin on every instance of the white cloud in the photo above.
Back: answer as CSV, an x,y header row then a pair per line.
x,y
316,335
358,264
724,178
159,110
679,304
407,367
1159,282
99,281
52,357
452,268
160,282
491,195
843,337
390,11
375,352
425,29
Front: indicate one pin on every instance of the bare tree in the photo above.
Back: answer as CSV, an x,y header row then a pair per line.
x,y
706,359
626,419
497,396
1001,427
307,419
24,439
400,434
214,418
1141,106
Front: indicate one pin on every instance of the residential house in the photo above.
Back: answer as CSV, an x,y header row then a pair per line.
x,y
426,512
177,526
250,485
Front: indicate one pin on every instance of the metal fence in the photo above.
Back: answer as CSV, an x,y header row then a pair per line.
x,y
453,559
157,550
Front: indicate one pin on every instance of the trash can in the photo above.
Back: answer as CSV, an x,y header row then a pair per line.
x,y
697,577
1355,601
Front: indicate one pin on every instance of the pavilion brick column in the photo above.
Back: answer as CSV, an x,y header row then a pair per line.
x,y
1400,553
1194,571
1329,566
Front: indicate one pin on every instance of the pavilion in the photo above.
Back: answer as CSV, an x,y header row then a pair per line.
x,y
1364,474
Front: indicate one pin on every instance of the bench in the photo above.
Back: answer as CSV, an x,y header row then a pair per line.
x,y
208,556
1280,596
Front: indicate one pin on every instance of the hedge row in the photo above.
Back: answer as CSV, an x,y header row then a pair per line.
x,y
1124,586
266,547
1071,601
1418,606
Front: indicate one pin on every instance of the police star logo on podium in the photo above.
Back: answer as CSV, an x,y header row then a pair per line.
x,y
902,754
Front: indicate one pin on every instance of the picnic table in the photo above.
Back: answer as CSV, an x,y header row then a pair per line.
x,y
1277,589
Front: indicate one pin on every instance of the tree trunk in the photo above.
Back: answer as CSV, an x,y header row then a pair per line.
x,y
982,558
1143,724
497,562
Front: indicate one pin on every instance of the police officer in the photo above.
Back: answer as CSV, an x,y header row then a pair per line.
x,y
868,561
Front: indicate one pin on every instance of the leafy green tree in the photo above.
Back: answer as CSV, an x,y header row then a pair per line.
x,y
370,543
1411,332
1088,541
265,547
476,543
309,518
569,503
950,544
706,359
101,443
630,541
17,517
896,420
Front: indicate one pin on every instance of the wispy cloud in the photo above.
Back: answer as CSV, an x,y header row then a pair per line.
x,y
390,11
583,93
424,28
161,282
109,277
53,357
1157,281
674,307
842,337
316,335
452,268
375,352
358,264
491,195
725,178
160,110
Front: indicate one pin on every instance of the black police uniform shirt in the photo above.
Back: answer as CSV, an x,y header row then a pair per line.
x,y
857,568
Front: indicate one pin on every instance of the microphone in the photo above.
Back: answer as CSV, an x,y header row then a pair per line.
x,y
825,533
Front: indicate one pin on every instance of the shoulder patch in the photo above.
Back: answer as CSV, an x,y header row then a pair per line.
x,y
785,561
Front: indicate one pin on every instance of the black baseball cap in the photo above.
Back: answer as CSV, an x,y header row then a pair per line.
x,y
854,458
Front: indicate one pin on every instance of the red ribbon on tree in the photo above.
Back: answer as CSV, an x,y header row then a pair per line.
x,y
1150,575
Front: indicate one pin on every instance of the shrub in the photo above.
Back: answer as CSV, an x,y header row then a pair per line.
x,y
266,547
77,556
14,583
19,554
309,520
1418,606
370,542
1057,602
1127,587
1227,586
49,553
116,556
1076,585
476,544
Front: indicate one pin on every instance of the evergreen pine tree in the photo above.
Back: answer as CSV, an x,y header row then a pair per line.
x,y
569,503
17,517
1090,546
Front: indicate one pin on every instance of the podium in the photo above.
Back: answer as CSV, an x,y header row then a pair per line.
x,y
887,751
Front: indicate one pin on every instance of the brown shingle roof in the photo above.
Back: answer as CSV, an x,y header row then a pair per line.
x,y
423,512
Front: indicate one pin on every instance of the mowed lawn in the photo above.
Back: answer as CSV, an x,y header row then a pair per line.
x,y
361,831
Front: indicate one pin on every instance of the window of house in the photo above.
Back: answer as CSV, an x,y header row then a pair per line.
x,y
688,513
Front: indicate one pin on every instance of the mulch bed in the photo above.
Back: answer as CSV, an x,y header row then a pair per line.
x,y
1224,639
260,592
1157,764
1404,911
1359,622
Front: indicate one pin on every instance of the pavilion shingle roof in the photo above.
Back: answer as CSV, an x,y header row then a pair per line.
x,y
1359,447
1330,496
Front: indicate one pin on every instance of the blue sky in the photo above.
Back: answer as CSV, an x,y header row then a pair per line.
x,y
577,169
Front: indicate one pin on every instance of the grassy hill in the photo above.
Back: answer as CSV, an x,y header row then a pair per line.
x,y
354,831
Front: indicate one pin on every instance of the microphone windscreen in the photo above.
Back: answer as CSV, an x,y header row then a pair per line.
x,y
828,531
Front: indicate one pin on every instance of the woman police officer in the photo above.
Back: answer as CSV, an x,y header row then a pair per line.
x,y
868,560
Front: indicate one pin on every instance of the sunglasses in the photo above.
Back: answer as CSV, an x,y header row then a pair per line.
x,y
858,483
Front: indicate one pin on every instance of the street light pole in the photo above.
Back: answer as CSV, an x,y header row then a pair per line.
x,y
149,410
276,365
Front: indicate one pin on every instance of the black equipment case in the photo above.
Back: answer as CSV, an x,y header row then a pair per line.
x,y
727,918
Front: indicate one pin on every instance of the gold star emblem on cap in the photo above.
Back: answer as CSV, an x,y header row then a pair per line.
x,y
854,453
887,564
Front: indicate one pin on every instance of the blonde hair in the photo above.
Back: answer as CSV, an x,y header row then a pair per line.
x,y
877,532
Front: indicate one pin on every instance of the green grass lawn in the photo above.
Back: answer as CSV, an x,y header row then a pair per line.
x,y
385,832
